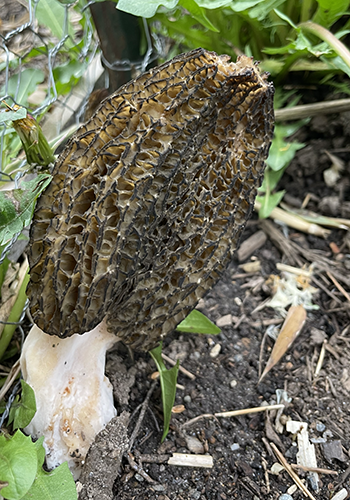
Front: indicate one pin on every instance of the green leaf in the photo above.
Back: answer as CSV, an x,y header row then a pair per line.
x,y
268,203
23,410
17,206
196,322
286,18
52,15
145,9
242,5
198,13
55,485
18,465
168,380
68,75
7,116
282,152
28,82
213,4
329,11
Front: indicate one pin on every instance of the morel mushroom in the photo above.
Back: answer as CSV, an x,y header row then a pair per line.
x,y
144,212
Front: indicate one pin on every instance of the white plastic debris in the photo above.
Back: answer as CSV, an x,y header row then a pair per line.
x,y
306,455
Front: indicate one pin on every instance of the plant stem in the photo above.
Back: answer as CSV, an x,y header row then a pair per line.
x,y
327,36
16,310
309,110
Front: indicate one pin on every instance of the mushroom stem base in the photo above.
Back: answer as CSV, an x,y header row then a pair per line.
x,y
74,398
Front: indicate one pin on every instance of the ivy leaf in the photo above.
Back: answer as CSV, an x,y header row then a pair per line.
x,y
17,206
168,380
196,322
23,410
18,465
55,485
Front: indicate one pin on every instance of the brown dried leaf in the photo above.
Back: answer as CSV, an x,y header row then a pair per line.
x,y
290,330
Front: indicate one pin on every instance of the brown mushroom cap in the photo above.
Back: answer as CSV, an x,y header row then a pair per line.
x,y
149,199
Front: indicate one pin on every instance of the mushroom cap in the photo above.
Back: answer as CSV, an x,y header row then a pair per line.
x,y
149,199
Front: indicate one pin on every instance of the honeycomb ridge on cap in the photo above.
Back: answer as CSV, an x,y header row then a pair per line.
x,y
149,199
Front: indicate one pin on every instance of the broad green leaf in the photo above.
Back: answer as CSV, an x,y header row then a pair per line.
x,y
329,11
17,206
55,485
51,14
213,4
18,465
196,322
68,75
242,5
168,380
145,9
23,410
268,203
7,116
263,9
198,13
28,82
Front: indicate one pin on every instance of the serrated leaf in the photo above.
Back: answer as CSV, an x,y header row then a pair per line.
x,y
18,465
23,410
145,9
28,82
196,322
17,206
168,379
55,485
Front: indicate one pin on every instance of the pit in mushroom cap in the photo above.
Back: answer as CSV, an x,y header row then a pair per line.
x,y
149,199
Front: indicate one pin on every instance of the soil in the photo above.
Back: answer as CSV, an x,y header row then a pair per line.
x,y
240,447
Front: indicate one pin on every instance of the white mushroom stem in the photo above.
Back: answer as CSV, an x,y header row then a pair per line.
x,y
74,398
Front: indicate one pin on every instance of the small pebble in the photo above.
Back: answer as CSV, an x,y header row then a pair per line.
x,y
233,383
138,477
187,399
196,495
238,358
196,354
224,321
320,427
162,468
285,496
214,353
158,487
235,447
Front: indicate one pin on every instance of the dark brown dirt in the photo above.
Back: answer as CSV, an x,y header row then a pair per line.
x,y
239,446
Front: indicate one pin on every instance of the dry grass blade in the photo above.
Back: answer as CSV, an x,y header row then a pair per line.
x,y
295,221
291,472
338,285
10,379
234,413
290,330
